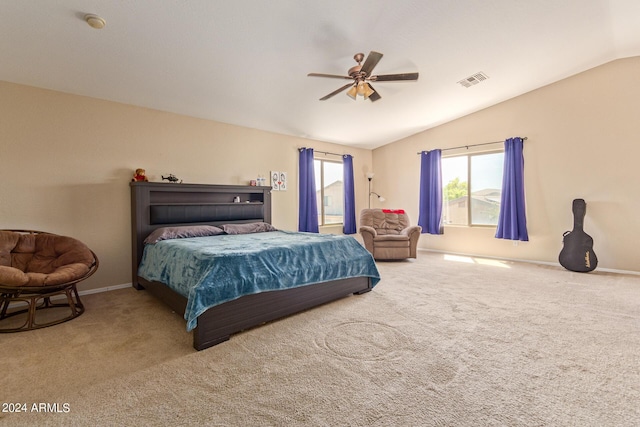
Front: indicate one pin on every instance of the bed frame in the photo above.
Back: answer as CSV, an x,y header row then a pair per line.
x,y
156,204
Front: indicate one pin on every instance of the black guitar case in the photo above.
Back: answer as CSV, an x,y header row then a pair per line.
x,y
577,252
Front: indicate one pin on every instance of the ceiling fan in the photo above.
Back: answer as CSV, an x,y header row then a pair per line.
x,y
361,76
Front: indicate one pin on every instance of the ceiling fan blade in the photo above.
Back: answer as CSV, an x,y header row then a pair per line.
x,y
373,96
394,77
333,76
335,92
371,61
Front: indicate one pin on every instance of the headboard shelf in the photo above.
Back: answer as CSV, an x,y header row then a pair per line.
x,y
206,204
196,193
157,204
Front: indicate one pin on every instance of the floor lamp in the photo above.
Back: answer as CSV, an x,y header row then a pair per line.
x,y
380,198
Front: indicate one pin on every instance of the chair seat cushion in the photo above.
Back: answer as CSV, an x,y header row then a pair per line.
x,y
14,277
42,259
391,241
391,238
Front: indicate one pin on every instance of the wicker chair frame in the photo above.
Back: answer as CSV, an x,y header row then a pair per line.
x,y
40,298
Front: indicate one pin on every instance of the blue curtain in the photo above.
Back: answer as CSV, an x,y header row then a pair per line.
x,y
308,209
430,216
512,222
349,196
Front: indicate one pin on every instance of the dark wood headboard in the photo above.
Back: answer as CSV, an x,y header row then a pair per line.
x,y
158,204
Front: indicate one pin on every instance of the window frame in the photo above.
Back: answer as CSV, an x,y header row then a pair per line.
x,y
321,214
468,156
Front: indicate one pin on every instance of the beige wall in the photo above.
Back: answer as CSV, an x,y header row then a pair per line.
x,y
583,142
66,162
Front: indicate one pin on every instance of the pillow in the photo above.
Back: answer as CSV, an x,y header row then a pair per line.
x,y
252,227
164,233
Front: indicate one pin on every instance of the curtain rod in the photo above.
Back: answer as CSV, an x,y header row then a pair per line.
x,y
471,145
325,152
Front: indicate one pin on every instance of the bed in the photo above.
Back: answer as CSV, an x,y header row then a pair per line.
x,y
159,206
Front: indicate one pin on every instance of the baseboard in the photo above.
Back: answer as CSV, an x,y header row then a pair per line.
x,y
555,264
105,289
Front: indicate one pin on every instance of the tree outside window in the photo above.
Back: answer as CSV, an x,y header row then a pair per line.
x,y
472,189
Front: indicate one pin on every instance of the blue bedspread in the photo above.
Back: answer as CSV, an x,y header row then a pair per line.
x,y
212,270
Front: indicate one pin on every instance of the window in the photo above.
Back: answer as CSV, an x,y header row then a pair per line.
x,y
329,191
472,189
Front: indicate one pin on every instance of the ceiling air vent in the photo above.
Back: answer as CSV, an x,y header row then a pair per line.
x,y
474,79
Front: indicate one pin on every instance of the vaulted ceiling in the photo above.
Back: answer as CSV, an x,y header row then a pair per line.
x,y
245,62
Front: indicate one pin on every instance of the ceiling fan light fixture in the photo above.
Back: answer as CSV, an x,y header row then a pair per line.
x,y
353,92
367,91
361,74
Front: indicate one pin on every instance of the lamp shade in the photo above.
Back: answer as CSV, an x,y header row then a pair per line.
x,y
368,91
353,92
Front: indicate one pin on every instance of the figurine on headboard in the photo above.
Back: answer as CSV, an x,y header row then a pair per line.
x,y
171,178
140,175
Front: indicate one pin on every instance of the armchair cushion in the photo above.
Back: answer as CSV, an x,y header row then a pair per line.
x,y
392,238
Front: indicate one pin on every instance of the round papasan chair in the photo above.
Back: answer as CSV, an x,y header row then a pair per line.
x,y
39,272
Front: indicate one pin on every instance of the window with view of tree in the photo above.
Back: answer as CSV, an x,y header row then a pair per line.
x,y
329,191
472,188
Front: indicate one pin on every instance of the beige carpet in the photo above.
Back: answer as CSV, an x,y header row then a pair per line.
x,y
441,341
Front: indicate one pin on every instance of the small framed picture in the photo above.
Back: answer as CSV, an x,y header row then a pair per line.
x,y
278,181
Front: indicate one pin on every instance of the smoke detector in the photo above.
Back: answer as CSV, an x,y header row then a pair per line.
x,y
95,21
